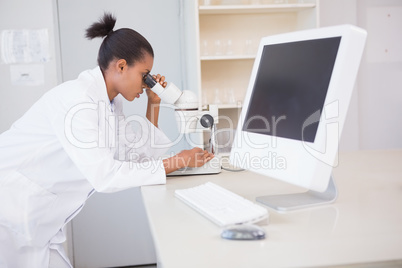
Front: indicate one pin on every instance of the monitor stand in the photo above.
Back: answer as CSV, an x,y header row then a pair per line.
x,y
288,202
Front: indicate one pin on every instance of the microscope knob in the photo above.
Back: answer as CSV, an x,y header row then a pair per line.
x,y
207,121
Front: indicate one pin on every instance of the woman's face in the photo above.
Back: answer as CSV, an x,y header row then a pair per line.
x,y
131,83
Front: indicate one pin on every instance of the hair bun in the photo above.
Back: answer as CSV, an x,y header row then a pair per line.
x,y
102,28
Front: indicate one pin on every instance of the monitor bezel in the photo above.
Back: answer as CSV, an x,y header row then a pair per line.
x,y
305,164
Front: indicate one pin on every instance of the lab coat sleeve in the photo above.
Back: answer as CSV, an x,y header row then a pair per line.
x,y
140,145
85,135
139,140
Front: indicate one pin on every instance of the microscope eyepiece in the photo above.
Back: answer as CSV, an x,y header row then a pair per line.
x,y
149,80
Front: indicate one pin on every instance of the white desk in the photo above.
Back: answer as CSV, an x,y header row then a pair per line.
x,y
364,224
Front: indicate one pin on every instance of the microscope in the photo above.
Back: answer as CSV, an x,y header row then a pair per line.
x,y
190,119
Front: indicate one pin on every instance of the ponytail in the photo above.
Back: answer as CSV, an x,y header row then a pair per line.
x,y
101,28
123,43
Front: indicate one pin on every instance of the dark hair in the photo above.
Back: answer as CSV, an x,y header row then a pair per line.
x,y
120,44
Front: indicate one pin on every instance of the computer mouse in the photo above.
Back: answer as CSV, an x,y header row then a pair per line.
x,y
243,232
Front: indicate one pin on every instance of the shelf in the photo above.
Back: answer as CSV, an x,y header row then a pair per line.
x,y
229,35
230,106
247,9
228,57
227,106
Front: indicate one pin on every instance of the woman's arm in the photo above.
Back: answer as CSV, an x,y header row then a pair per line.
x,y
153,111
154,101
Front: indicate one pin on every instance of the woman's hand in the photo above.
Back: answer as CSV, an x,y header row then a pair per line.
x,y
195,157
152,96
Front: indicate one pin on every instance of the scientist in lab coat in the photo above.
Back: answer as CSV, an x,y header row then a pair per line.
x,y
75,140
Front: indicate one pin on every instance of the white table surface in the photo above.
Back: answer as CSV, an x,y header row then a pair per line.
x,y
364,225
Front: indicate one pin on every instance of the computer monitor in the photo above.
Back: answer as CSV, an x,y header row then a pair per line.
x,y
294,110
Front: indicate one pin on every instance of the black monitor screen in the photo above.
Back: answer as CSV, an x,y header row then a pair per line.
x,y
291,85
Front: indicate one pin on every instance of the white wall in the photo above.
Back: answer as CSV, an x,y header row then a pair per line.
x,y
380,81
18,15
373,120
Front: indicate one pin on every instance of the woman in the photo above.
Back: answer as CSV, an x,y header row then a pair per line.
x,y
74,141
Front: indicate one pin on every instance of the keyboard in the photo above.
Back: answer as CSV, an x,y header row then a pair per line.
x,y
220,205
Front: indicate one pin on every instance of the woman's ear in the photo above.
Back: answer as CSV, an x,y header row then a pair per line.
x,y
121,65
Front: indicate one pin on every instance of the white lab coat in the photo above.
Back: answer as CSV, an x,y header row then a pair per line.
x,y
52,159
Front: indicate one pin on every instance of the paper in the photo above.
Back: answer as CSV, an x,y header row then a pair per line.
x,y
24,46
27,74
